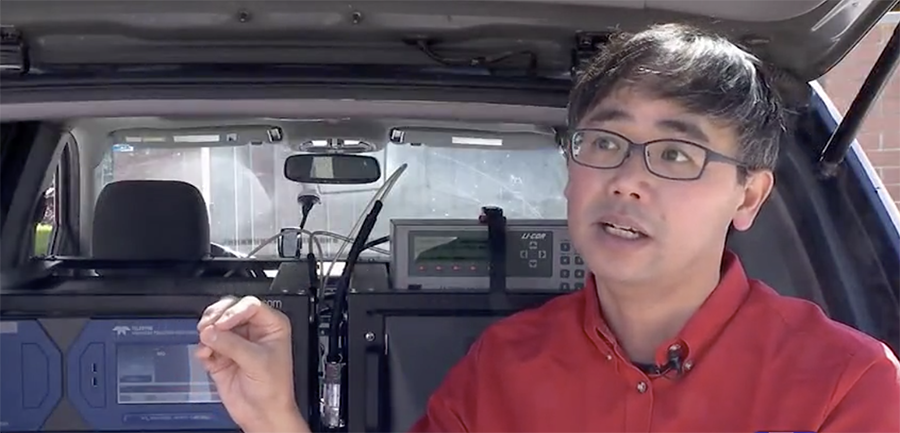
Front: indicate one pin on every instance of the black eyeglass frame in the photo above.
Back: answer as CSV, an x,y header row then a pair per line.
x,y
709,154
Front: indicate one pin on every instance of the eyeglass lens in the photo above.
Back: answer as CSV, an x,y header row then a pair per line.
x,y
670,159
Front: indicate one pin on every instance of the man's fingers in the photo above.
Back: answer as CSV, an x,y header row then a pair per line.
x,y
253,311
203,351
227,344
216,364
214,311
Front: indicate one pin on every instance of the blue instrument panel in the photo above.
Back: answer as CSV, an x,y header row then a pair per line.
x,y
30,374
120,375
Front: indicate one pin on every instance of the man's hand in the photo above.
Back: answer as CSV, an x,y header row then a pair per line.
x,y
246,347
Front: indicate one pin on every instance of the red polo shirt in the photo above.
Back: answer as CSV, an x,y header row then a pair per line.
x,y
754,361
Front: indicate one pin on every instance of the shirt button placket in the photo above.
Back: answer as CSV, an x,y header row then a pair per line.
x,y
640,407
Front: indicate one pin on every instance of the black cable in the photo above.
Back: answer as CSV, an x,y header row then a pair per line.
x,y
483,61
340,294
377,242
306,204
313,272
303,220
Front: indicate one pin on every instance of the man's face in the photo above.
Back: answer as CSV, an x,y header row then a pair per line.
x,y
682,223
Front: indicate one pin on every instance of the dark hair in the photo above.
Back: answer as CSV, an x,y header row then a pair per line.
x,y
703,72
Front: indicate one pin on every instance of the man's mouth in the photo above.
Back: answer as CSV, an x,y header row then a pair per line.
x,y
622,231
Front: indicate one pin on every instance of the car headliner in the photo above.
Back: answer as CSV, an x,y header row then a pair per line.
x,y
804,37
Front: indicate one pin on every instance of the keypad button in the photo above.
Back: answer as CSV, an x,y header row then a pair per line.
x,y
564,273
579,273
565,247
564,286
579,286
564,260
579,260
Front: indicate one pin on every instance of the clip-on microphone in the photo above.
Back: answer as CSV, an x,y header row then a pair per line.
x,y
674,363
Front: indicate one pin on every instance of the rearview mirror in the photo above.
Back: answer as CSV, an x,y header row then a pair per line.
x,y
332,169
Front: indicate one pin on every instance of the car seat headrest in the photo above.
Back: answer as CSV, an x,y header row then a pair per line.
x,y
150,220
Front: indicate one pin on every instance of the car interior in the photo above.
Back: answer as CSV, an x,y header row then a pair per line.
x,y
217,207
392,217
230,207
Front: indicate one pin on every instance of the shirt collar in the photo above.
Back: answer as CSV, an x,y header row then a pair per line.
x,y
700,331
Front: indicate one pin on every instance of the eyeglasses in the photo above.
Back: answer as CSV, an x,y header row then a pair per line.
x,y
667,158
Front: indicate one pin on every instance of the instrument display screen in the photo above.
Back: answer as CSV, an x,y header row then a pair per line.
x,y
153,373
469,247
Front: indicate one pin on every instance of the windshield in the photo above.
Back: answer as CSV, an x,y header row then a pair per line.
x,y
249,200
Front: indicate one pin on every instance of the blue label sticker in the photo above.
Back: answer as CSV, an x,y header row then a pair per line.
x,y
122,148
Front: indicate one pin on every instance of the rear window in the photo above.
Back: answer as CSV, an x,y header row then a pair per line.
x,y
249,199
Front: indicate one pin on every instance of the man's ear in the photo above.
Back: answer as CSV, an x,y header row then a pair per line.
x,y
756,191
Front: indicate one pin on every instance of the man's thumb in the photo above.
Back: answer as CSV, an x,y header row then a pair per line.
x,y
243,352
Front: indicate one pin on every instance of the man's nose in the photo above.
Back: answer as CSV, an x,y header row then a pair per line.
x,y
631,179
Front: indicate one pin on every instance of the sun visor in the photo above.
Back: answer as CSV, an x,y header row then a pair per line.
x,y
211,136
518,139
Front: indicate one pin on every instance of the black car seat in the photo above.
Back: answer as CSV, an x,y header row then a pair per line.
x,y
150,220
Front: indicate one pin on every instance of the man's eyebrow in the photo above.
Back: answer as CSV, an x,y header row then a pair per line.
x,y
685,127
608,114
680,126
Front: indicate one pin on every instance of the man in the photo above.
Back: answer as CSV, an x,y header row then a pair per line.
x,y
674,137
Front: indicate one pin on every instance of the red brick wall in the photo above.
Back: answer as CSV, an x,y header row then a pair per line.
x,y
880,133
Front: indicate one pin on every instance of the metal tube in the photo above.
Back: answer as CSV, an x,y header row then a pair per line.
x,y
836,149
331,396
